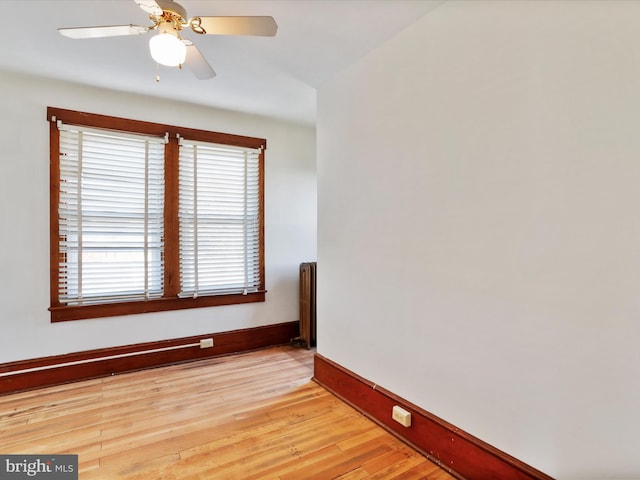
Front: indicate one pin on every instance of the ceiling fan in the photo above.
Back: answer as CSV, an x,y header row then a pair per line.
x,y
168,47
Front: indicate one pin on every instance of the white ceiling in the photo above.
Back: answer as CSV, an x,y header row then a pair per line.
x,y
273,76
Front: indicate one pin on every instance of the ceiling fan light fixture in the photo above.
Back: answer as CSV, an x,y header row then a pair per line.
x,y
167,49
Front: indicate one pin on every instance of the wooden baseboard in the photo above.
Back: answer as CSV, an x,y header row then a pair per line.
x,y
458,452
46,371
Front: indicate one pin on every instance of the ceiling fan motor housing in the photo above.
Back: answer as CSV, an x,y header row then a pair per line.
x,y
173,9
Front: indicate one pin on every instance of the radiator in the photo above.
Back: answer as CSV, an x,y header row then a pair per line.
x,y
308,304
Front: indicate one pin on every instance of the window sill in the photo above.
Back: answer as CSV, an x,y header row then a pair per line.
x,y
66,313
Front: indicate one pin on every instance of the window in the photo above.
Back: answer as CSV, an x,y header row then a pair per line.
x,y
219,219
110,216
150,217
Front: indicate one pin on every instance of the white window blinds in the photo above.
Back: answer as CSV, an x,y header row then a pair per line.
x,y
219,219
110,216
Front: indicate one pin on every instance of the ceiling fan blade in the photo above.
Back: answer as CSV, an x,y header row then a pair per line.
x,y
150,6
260,26
197,63
106,31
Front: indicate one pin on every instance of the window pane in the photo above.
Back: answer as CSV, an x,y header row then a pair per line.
x,y
111,216
219,219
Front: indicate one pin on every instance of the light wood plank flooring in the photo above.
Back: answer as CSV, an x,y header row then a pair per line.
x,y
250,416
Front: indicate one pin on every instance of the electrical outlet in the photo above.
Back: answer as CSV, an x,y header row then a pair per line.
x,y
401,416
206,343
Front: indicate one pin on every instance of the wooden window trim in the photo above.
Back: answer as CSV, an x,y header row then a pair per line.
x,y
170,300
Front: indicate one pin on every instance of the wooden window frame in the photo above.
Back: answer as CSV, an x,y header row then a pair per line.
x,y
170,300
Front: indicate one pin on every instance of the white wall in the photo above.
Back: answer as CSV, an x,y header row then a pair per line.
x,y
478,237
290,222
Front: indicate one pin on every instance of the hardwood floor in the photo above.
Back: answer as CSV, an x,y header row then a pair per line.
x,y
250,416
